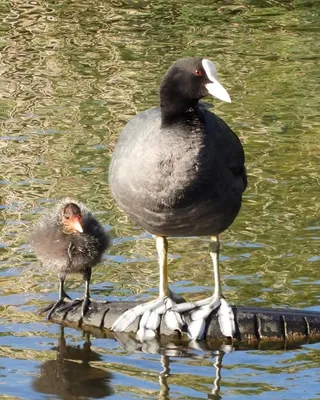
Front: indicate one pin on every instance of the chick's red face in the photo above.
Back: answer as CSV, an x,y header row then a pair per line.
x,y
72,218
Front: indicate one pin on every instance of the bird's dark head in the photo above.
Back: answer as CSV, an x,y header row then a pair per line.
x,y
71,218
187,81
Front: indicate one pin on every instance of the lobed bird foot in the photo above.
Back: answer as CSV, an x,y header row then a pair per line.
x,y
150,317
200,310
70,305
85,305
46,308
54,306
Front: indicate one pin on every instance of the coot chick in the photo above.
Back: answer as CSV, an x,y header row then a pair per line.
x,y
70,240
178,170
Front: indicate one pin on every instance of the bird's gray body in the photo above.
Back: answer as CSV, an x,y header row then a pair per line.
x,y
184,178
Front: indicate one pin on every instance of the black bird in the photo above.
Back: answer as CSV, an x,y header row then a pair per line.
x,y
69,239
178,170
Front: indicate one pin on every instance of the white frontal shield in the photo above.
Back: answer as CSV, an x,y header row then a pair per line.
x,y
214,87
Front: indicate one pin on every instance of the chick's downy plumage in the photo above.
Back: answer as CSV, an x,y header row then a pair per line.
x,y
69,239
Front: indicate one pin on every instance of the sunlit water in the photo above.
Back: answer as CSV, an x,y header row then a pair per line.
x,y
73,73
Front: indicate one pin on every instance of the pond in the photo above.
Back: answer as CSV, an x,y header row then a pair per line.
x,y
72,74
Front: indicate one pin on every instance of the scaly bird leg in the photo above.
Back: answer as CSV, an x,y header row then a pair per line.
x,y
150,313
200,310
62,296
87,300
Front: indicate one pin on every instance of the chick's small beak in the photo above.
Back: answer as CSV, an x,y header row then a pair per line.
x,y
76,224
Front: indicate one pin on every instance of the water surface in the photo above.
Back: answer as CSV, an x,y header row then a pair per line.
x,y
72,74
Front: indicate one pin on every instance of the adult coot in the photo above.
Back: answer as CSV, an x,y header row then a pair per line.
x,y
70,240
178,170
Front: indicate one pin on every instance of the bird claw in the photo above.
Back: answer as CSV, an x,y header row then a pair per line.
x,y
150,320
53,308
71,304
173,320
85,305
196,329
226,319
199,312
47,308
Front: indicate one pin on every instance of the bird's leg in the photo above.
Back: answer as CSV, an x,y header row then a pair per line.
x,y
200,310
152,311
164,290
214,250
225,313
87,300
162,248
62,293
62,296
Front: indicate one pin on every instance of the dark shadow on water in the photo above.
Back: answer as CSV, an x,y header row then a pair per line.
x,y
70,375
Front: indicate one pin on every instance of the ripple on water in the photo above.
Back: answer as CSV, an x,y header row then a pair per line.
x,y
72,76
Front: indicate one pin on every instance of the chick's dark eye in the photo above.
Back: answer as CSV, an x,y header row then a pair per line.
x,y
197,72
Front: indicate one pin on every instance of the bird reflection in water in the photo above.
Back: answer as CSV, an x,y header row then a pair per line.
x,y
169,350
165,374
216,383
70,376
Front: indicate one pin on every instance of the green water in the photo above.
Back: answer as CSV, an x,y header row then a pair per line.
x,y
72,74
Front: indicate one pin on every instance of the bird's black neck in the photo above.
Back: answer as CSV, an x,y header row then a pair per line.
x,y
173,106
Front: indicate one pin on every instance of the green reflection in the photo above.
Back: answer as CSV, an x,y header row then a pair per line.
x,y
73,73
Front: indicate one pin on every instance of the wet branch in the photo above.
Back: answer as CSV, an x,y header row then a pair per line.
x,y
252,323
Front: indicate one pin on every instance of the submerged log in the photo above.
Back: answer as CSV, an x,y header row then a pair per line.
x,y
252,323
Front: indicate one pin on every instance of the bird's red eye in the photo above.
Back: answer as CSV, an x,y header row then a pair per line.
x,y
197,72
